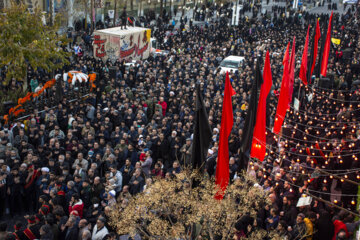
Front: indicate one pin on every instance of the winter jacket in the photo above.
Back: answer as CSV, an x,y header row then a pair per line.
x,y
79,206
99,235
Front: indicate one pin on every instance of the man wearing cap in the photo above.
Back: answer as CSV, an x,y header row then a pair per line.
x,y
43,181
85,193
111,200
186,152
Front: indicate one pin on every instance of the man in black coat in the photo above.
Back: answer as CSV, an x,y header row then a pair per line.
x,y
70,231
33,229
123,19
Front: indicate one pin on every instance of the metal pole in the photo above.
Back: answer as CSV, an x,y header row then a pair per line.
x,y
51,9
299,90
236,13
93,15
114,13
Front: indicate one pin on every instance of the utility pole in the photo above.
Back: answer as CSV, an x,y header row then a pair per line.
x,y
86,13
161,7
115,12
51,9
92,16
171,10
183,10
70,5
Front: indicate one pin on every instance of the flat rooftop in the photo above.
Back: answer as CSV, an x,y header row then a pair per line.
x,y
119,31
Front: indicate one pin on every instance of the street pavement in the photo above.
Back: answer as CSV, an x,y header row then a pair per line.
x,y
268,8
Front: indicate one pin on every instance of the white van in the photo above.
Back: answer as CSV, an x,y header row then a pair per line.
x,y
155,48
231,63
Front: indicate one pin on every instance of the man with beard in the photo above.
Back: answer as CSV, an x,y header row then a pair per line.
x,y
126,171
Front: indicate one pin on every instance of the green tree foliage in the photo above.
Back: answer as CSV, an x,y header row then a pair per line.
x,y
26,41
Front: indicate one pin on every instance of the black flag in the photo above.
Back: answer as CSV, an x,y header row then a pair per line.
x,y
250,119
202,133
311,59
314,51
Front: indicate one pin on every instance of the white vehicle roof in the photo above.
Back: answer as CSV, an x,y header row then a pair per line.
x,y
234,58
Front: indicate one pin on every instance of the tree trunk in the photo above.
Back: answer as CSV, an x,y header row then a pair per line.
x,y
70,13
86,14
139,9
170,13
115,13
161,7
183,10
92,17
132,5
26,83
51,9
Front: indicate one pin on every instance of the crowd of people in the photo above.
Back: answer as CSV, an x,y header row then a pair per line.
x,y
63,169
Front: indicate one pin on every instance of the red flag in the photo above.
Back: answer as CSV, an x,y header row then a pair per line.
x,y
227,121
317,37
326,52
292,72
258,146
286,56
283,102
131,22
304,63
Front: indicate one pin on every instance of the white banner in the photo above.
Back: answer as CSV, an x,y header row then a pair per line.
x,y
111,14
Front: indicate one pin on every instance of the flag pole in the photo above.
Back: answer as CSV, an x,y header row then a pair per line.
x,y
299,89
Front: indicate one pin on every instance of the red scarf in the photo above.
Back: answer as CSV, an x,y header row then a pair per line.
x,y
32,179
